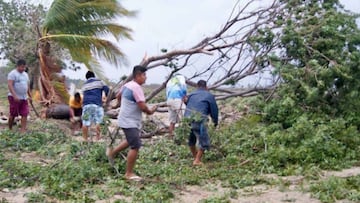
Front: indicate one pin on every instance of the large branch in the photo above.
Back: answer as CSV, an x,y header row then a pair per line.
x,y
227,57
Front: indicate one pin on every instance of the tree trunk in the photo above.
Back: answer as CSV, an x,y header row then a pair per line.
x,y
51,82
58,111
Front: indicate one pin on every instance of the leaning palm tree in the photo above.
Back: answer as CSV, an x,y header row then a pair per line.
x,y
79,27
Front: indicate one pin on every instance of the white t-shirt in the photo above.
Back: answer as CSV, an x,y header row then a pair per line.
x,y
21,83
130,114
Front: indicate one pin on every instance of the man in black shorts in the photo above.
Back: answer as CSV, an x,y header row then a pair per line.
x,y
132,100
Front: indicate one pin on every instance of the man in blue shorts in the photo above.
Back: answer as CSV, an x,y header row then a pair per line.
x,y
92,111
132,99
199,105
19,93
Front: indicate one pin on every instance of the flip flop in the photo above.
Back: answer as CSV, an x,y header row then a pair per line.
x,y
134,178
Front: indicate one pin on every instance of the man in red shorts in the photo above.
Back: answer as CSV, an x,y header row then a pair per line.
x,y
19,93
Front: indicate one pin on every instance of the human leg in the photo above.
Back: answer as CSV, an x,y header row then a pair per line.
x,y
197,160
171,130
204,143
174,114
193,150
130,163
134,141
24,112
111,153
11,122
86,118
85,130
192,143
23,124
98,131
98,119
13,111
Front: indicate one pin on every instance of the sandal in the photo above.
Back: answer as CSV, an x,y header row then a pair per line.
x,y
134,178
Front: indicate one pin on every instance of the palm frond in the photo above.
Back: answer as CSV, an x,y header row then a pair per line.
x,y
99,29
83,48
63,15
78,25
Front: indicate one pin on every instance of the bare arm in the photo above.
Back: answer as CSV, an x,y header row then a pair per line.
x,y
144,108
11,89
72,113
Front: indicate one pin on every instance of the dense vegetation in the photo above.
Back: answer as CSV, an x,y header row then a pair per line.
x,y
310,123
243,153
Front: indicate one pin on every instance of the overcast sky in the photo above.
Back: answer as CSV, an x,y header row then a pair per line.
x,y
174,24
167,24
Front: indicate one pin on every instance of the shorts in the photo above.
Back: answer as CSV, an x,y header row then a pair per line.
x,y
176,109
18,108
92,113
199,133
133,137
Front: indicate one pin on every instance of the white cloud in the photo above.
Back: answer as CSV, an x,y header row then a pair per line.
x,y
171,24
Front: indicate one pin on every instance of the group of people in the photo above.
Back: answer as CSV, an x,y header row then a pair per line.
x,y
198,105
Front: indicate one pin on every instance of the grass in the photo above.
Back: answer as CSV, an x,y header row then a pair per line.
x,y
242,153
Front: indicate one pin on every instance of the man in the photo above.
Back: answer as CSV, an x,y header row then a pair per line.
x,y
19,93
75,105
93,111
199,105
132,99
175,92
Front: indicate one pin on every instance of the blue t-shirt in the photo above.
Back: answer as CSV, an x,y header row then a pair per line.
x,y
21,83
176,88
203,102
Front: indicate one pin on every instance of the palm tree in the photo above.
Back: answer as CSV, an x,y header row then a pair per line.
x,y
79,27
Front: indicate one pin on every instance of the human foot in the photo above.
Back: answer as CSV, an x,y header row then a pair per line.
x,y
197,163
110,156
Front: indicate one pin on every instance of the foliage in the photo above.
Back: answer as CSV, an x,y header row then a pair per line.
x,y
309,124
334,189
81,27
318,63
18,35
74,171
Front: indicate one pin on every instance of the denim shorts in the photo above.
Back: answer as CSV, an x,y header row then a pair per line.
x,y
199,133
92,113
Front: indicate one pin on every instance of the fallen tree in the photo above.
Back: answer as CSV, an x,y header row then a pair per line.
x,y
234,54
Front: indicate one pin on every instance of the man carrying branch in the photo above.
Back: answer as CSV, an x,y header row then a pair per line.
x,y
133,103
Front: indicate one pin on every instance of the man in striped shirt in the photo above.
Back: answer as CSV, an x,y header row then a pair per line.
x,y
93,111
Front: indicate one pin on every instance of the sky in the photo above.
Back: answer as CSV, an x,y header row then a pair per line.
x,y
175,24
166,24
